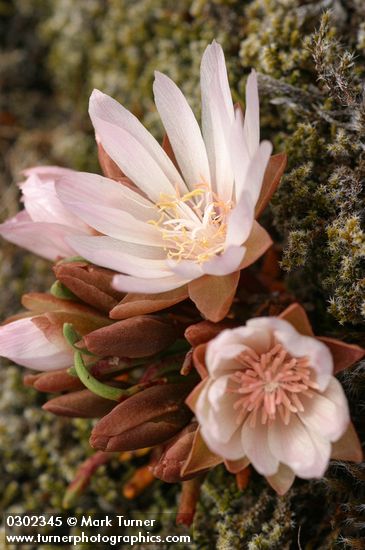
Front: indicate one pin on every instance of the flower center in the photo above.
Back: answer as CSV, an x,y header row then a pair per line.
x,y
271,384
194,225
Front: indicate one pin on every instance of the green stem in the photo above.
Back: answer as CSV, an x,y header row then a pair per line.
x,y
108,392
97,387
72,337
109,370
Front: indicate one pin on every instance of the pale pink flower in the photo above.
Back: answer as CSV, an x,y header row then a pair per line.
x,y
25,343
270,399
35,339
187,215
44,224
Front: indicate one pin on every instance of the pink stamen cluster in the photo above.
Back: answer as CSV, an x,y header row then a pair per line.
x,y
271,383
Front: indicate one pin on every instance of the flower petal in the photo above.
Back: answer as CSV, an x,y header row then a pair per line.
x,y
139,304
213,296
45,239
23,343
110,208
217,118
126,283
230,450
222,351
325,416
81,187
240,221
294,446
43,205
251,128
183,131
135,260
254,176
103,107
282,480
135,161
226,263
256,447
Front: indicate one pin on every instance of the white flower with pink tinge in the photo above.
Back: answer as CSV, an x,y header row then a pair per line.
x,y
44,224
24,342
189,210
269,398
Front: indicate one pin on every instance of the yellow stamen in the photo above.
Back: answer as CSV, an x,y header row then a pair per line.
x,y
192,230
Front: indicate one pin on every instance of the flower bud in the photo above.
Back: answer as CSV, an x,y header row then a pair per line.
x,y
168,467
90,283
79,404
202,332
140,336
146,419
53,381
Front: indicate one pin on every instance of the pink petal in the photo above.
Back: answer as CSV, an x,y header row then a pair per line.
x,y
106,108
45,239
256,447
222,422
230,450
227,262
223,350
125,283
240,221
122,257
183,131
221,353
273,173
110,208
294,446
254,176
323,454
134,160
186,268
251,127
240,157
23,343
47,171
282,480
81,187
324,415
43,205
217,118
